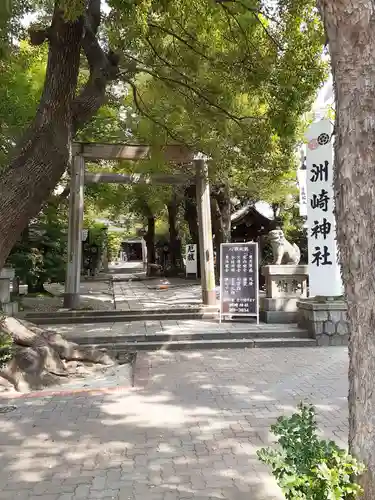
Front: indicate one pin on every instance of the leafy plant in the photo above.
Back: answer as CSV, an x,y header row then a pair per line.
x,y
6,349
40,255
6,345
114,244
307,467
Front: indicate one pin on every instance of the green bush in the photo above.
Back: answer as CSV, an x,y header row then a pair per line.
x,y
6,345
307,467
114,244
6,348
40,255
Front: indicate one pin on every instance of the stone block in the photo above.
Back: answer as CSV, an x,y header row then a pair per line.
x,y
9,308
318,315
285,285
7,273
337,340
318,327
342,328
285,270
278,317
334,316
285,281
329,327
279,304
4,291
323,340
6,277
325,321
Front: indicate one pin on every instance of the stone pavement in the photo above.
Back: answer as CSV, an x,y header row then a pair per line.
x,y
95,295
143,295
189,431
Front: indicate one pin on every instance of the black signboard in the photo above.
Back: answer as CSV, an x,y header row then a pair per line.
x,y
239,280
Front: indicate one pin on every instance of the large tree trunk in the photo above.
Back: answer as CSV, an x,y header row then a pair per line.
x,y
217,229
42,357
225,206
350,30
191,217
221,220
45,150
174,235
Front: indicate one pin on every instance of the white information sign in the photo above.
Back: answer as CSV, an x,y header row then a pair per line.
x,y
191,260
85,233
324,269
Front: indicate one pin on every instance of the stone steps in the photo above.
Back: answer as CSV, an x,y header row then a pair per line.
x,y
244,333
70,317
195,344
251,337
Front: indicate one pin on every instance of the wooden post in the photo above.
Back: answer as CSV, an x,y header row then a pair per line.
x,y
205,234
73,270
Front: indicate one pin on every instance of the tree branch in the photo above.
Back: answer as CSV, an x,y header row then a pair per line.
x,y
38,36
137,101
268,33
229,15
236,119
58,199
182,40
250,9
104,68
256,12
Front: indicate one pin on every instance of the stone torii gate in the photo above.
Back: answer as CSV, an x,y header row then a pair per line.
x,y
172,153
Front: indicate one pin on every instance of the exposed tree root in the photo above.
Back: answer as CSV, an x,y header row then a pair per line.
x,y
42,356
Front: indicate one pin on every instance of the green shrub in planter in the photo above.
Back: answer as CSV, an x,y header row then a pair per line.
x,y
307,467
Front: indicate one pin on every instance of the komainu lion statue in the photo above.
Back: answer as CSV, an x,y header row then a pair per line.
x,y
283,251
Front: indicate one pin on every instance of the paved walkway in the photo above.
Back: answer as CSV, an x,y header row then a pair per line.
x,y
147,294
190,430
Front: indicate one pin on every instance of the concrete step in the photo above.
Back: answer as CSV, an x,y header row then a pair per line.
x,y
116,312
252,333
176,345
69,317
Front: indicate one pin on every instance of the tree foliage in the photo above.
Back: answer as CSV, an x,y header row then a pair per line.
x,y
21,83
227,78
207,74
40,255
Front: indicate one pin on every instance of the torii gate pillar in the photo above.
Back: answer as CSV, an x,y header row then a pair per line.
x,y
205,234
75,226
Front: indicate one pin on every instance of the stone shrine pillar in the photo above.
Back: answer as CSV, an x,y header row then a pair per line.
x,y
285,286
324,313
6,276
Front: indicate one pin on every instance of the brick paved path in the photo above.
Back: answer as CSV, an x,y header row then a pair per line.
x,y
144,295
190,432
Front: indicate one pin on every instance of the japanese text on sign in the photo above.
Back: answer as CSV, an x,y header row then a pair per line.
x,y
239,279
320,228
324,273
191,259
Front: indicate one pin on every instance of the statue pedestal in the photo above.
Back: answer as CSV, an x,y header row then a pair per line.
x,y
285,286
8,307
